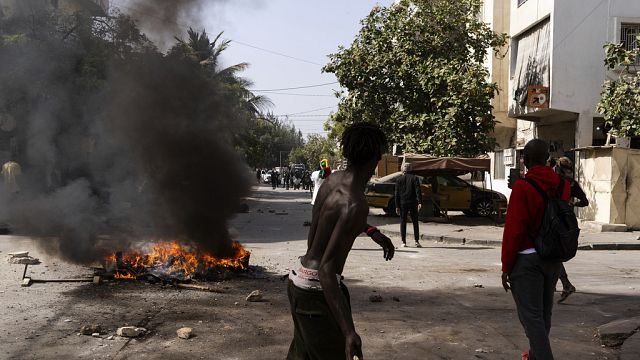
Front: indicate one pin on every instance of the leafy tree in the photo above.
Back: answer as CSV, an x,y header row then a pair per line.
x,y
268,141
199,48
416,68
620,103
316,147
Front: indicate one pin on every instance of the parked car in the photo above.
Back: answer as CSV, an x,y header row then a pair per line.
x,y
453,193
266,176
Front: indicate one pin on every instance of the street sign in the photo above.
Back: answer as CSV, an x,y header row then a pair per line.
x,y
538,97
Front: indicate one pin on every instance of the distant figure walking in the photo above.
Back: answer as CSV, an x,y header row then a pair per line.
x,y
274,178
564,167
408,202
318,176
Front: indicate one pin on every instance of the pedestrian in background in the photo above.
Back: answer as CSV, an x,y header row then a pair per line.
x,y
532,280
564,167
408,202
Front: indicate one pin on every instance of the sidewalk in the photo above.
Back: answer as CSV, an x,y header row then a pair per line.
x,y
462,230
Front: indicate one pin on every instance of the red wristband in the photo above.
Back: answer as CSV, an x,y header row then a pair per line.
x,y
371,230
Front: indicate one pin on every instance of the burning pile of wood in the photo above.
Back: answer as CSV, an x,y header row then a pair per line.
x,y
171,262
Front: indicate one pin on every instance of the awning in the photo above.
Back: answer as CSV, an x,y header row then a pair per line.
x,y
424,163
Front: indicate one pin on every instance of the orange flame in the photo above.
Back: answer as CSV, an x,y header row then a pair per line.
x,y
177,259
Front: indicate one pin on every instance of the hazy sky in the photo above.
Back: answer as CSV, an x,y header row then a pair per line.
x,y
305,29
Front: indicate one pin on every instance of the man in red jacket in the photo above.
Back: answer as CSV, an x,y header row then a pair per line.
x,y
531,279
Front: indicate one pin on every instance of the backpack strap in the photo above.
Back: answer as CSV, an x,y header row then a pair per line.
x,y
542,193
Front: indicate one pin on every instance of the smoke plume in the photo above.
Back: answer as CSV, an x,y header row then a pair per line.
x,y
142,150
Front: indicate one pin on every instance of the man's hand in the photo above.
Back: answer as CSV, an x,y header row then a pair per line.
x,y
387,246
506,281
354,347
398,211
419,207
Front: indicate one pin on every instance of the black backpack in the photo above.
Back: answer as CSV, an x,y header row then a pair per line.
x,y
559,231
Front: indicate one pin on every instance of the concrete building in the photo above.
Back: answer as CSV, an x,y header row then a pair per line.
x,y
556,75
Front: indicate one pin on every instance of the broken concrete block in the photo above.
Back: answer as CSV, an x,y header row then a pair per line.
x,y
90,329
95,334
26,282
24,260
375,298
130,331
184,333
19,254
631,347
616,332
255,296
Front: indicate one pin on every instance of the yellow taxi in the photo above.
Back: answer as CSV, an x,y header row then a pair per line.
x,y
451,193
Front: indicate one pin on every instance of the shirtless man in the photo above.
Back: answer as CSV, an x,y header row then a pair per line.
x,y
320,306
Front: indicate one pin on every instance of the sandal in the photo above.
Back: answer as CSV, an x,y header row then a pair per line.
x,y
565,294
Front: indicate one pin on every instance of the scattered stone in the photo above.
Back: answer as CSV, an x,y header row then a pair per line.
x,y
282,213
616,332
184,333
480,286
458,230
110,337
272,211
130,331
381,331
260,211
482,351
90,329
396,299
631,347
97,335
19,254
236,303
255,296
24,260
375,298
244,208
306,223
67,320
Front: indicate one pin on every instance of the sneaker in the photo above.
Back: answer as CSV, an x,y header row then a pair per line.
x,y
404,244
565,294
418,244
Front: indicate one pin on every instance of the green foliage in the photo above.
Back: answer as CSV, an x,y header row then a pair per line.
x,y
416,68
315,148
620,102
268,141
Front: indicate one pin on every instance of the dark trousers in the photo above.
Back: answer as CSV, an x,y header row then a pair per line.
x,y
533,283
316,334
409,209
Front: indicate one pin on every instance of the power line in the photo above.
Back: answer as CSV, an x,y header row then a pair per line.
x,y
294,94
578,25
309,111
295,88
277,53
303,116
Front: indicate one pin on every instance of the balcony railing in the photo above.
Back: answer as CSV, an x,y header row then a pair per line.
x,y
628,33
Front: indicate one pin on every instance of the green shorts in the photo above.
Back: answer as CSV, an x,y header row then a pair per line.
x,y
316,334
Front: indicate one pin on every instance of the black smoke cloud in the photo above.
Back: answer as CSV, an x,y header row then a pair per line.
x,y
144,151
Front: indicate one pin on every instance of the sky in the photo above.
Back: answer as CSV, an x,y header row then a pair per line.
x,y
307,30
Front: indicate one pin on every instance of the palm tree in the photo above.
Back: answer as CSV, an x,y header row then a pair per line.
x,y
202,50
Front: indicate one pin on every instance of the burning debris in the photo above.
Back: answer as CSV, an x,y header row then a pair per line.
x,y
170,261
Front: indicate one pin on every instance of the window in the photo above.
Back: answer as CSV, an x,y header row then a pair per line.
x,y
628,33
520,2
498,165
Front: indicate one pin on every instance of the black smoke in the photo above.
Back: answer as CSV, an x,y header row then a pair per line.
x,y
118,144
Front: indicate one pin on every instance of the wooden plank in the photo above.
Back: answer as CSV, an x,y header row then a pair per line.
x,y
200,287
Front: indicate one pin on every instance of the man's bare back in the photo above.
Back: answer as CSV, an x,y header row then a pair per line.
x,y
323,324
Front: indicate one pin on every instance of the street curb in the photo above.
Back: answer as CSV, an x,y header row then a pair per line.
x,y
445,239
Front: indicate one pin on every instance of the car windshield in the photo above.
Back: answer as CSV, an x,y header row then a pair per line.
x,y
451,181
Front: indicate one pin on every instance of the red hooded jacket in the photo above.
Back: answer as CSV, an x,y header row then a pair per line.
x,y
525,211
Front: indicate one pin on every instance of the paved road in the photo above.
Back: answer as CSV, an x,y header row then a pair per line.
x,y
450,302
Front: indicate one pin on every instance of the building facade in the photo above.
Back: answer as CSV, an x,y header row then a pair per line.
x,y
556,72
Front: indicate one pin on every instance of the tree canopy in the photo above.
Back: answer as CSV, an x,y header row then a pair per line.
x,y
315,148
417,69
620,102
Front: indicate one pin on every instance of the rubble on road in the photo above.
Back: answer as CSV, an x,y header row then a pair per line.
x,y
96,335
255,296
22,258
306,223
130,331
184,333
90,329
375,298
395,298
616,332
479,286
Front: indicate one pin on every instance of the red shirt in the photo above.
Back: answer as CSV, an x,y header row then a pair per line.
x,y
525,211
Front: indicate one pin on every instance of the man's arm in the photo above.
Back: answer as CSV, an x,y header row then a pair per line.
x,y
578,193
515,226
396,194
388,250
333,259
416,183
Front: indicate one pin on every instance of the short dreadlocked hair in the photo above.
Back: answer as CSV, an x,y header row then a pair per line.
x,y
361,142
